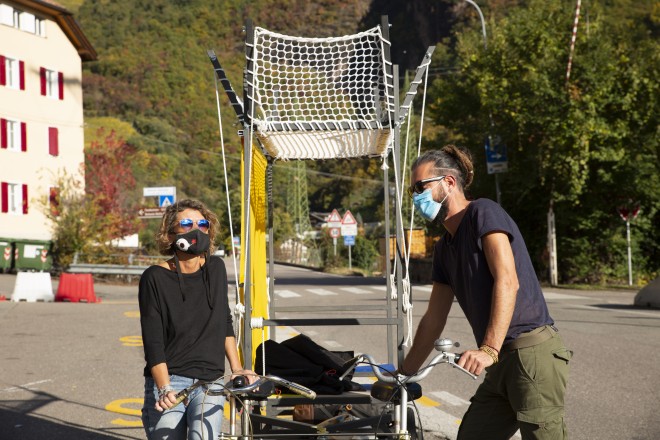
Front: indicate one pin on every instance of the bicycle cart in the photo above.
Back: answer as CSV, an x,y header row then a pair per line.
x,y
320,99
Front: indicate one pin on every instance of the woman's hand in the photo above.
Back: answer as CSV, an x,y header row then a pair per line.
x,y
249,374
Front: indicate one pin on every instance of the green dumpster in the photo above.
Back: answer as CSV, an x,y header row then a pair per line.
x,y
6,254
32,255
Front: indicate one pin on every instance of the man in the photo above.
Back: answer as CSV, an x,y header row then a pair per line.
x,y
482,260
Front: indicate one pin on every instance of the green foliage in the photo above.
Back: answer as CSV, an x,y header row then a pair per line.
x,y
78,226
365,253
582,148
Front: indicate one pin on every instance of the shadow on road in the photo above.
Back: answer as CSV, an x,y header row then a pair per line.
x,y
18,421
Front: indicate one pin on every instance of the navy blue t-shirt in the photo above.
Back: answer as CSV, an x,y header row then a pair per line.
x,y
459,262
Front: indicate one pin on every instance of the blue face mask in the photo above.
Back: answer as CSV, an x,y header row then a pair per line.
x,y
426,206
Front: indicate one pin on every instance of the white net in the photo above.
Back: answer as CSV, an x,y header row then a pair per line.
x,y
321,98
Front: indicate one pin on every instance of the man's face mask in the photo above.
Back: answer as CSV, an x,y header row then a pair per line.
x,y
426,206
194,242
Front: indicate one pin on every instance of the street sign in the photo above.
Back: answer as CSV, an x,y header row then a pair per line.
x,y
349,240
348,224
165,201
159,191
151,212
334,232
334,219
496,159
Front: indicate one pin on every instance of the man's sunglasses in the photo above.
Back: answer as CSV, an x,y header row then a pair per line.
x,y
187,224
418,187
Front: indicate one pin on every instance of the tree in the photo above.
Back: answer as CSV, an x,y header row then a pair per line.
x,y
576,147
110,183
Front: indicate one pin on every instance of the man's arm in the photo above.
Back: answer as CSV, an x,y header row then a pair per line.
x,y
499,255
430,327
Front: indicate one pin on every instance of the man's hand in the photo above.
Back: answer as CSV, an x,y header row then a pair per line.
x,y
475,361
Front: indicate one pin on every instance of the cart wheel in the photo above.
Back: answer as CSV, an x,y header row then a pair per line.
x,y
412,424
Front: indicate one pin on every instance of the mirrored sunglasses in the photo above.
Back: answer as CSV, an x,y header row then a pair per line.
x,y
418,187
187,224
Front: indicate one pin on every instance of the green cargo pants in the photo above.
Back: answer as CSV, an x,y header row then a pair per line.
x,y
524,390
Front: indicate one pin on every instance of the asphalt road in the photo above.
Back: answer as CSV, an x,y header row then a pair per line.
x,y
73,370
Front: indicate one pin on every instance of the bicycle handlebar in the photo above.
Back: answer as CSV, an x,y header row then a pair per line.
x,y
230,389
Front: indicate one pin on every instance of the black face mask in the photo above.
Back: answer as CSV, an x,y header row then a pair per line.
x,y
194,242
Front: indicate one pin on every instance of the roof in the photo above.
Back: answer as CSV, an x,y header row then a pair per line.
x,y
64,18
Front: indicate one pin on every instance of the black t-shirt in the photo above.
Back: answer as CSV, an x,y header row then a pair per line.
x,y
459,262
187,334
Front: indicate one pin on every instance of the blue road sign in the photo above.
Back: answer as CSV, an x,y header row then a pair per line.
x,y
496,159
165,201
349,240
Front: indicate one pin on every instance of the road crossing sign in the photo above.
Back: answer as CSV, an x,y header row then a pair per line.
x,y
348,224
165,201
334,219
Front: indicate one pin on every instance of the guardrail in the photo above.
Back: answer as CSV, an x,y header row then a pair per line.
x,y
106,269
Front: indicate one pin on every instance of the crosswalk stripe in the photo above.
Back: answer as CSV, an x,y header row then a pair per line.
x,y
449,398
286,294
321,292
355,290
381,288
424,288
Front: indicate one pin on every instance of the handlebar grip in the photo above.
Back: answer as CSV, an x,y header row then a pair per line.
x,y
180,397
296,388
239,382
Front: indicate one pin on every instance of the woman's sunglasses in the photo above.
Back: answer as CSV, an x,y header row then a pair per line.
x,y
187,224
418,187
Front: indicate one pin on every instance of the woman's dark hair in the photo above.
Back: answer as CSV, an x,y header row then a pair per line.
x,y
451,160
168,222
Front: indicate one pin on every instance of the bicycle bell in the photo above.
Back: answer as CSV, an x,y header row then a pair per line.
x,y
444,344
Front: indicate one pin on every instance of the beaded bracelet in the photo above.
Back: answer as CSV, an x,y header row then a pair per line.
x,y
490,352
162,391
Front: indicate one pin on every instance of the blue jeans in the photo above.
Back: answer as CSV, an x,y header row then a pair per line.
x,y
201,419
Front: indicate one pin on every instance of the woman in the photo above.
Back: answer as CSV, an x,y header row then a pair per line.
x,y
186,327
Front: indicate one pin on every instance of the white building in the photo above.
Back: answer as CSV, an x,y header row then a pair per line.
x,y
42,48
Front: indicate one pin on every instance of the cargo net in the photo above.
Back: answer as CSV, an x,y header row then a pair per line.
x,y
321,98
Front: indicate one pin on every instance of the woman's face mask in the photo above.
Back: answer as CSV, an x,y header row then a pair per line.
x,y
193,242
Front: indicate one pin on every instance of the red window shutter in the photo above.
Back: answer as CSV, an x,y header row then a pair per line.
x,y
60,83
25,199
3,72
4,189
3,133
23,136
21,68
53,141
42,76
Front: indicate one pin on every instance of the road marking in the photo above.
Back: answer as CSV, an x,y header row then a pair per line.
x,y
286,294
424,288
555,296
449,398
116,407
131,341
436,420
381,288
332,344
355,290
25,386
321,292
427,402
132,314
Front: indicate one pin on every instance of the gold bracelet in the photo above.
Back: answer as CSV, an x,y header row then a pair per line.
x,y
490,352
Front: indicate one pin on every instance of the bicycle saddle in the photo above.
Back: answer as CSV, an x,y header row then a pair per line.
x,y
389,392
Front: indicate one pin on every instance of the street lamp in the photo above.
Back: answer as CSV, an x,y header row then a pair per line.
x,y
490,115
